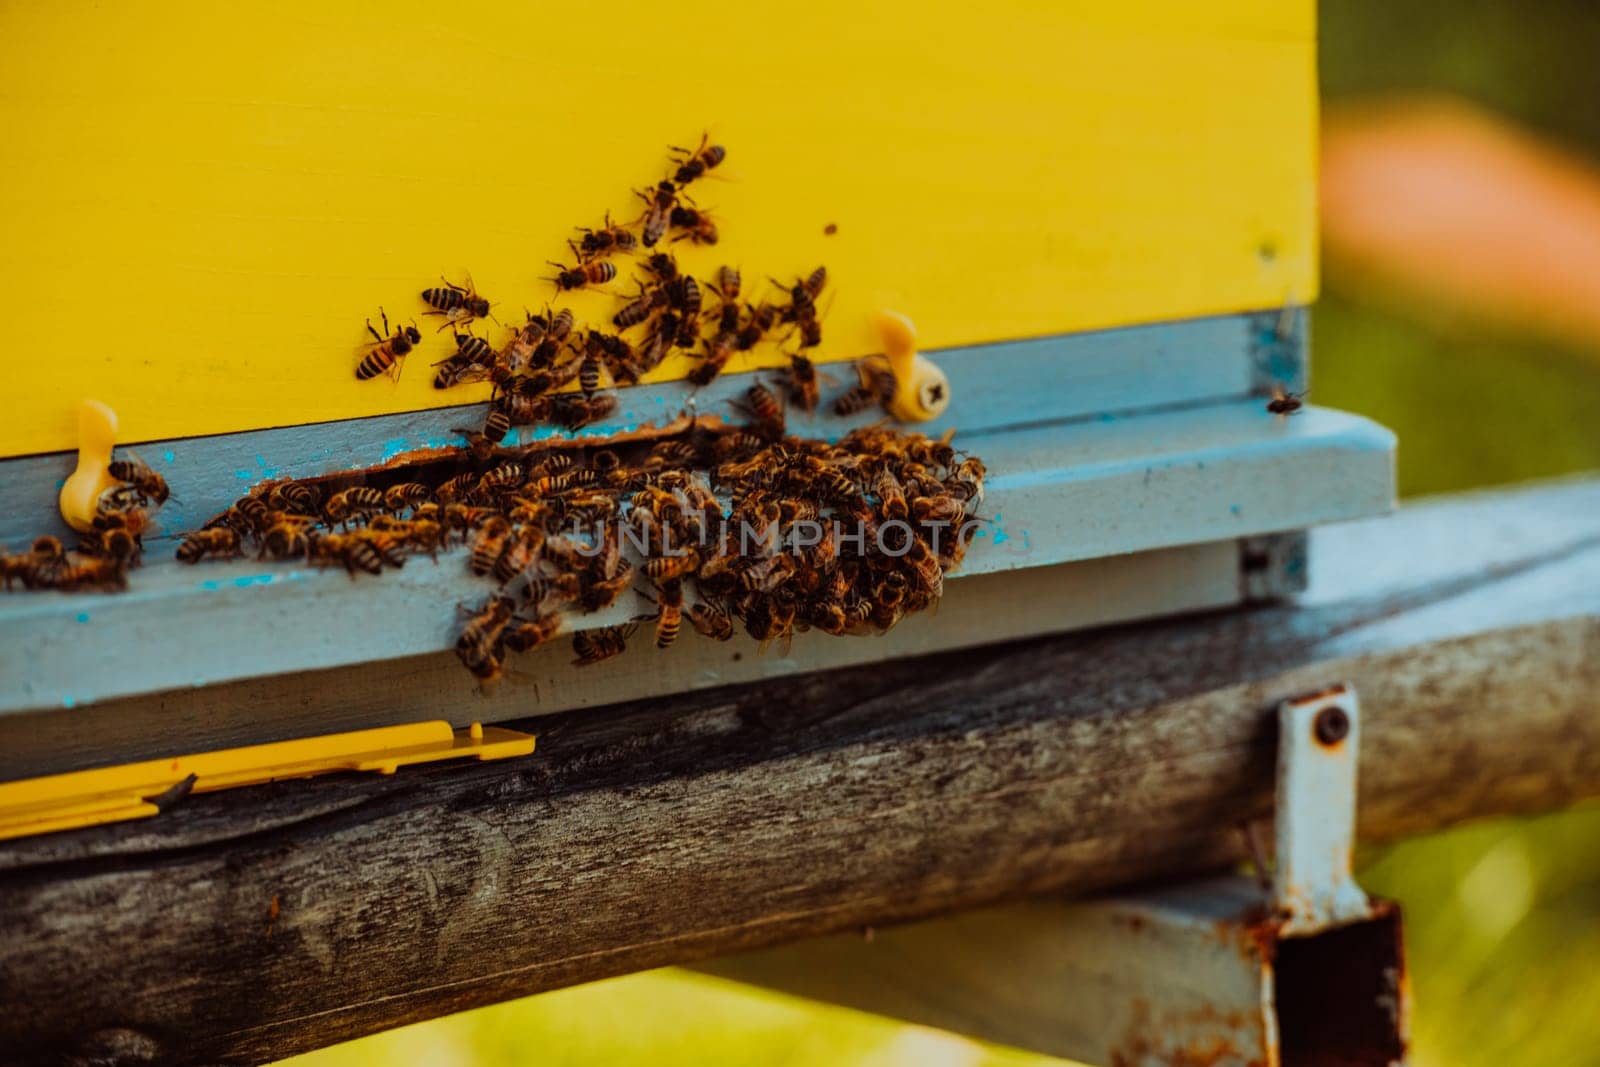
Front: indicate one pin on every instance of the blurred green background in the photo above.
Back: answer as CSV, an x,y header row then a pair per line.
x,y
1503,918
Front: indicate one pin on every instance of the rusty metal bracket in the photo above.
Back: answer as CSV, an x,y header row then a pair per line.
x,y
1319,737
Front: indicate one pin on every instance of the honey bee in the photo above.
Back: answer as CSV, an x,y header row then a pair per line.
x,y
574,412
663,266
286,539
968,482
692,165
669,612
592,646
1284,403
526,635
719,350
454,489
298,497
480,444
398,498
388,351
683,295
891,498
803,295
762,405
639,309
697,226
501,478
353,503
711,621
604,241
478,644
149,486
659,203
106,573
665,568
595,272
875,385
521,552
214,541
800,383
763,318
351,550
457,303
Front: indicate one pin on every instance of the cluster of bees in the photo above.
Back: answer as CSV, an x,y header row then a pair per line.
x,y
564,531
113,546
670,311
802,543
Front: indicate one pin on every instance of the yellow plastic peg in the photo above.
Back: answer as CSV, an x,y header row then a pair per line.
x,y
97,433
921,390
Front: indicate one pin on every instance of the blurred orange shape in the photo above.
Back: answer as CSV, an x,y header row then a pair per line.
x,y
1458,207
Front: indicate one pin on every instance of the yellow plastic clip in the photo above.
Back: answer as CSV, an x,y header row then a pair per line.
x,y
921,390
80,494
139,790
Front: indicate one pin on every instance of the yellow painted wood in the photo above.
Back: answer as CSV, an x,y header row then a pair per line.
x,y
201,203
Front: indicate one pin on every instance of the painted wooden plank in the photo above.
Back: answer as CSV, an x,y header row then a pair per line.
x,y
1057,493
977,610
201,205
1042,380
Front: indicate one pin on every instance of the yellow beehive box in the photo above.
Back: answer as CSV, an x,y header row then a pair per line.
x,y
202,204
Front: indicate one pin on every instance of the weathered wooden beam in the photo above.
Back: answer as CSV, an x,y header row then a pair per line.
x,y
249,925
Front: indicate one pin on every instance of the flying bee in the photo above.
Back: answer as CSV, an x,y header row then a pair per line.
x,y
352,503
150,486
669,612
592,646
604,241
594,272
1284,403
692,165
388,351
763,405
659,203
697,225
711,621
525,635
214,541
457,303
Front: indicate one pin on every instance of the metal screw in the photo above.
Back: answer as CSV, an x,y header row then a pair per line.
x,y
1332,725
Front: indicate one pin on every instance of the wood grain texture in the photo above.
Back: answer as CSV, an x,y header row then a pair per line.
x,y
676,829
203,204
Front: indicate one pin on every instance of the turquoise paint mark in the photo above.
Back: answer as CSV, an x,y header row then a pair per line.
x,y
254,579
210,585
1026,544
244,476
168,456
83,616
393,447
69,702
1000,535
1235,509
269,472
60,483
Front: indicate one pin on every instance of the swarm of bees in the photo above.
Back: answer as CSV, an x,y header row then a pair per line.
x,y
668,311
111,548
717,526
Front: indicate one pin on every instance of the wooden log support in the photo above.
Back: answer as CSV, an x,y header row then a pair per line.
x,y
250,925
